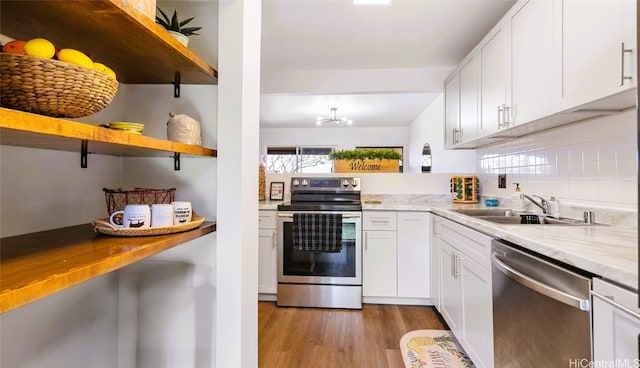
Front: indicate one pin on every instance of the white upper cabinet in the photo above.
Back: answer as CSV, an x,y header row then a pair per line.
x,y
544,64
598,41
452,109
493,80
469,84
531,43
461,95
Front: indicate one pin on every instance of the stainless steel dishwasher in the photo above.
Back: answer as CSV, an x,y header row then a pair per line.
x,y
541,314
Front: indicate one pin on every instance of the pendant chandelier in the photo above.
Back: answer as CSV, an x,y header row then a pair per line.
x,y
333,118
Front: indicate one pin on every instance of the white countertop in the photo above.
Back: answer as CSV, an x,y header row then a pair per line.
x,y
608,251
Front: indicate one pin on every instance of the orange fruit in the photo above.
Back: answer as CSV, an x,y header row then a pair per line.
x,y
14,47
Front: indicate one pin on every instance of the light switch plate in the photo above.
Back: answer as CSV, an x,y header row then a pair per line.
x,y
502,181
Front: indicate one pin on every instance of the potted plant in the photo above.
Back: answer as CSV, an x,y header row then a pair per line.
x,y
366,160
176,27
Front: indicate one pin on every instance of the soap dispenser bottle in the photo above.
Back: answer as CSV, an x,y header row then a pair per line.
x,y
516,199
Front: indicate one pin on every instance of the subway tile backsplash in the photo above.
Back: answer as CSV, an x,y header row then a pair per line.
x,y
591,163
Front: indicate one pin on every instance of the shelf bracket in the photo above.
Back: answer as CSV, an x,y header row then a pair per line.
x,y
84,152
176,85
176,161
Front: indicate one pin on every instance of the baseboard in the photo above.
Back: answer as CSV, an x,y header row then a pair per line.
x,y
396,300
267,297
366,300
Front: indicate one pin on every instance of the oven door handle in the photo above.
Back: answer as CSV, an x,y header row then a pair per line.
x,y
290,215
533,284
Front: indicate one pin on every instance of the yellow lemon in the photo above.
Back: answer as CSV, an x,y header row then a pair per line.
x,y
99,66
75,57
110,72
40,47
105,69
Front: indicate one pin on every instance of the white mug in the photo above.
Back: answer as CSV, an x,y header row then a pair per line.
x,y
161,214
133,215
181,212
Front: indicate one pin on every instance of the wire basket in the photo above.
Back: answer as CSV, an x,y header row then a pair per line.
x,y
118,198
53,88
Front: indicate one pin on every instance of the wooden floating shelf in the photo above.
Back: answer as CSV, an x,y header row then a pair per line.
x,y
25,129
111,32
40,264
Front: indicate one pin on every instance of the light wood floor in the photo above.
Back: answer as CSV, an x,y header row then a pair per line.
x,y
327,338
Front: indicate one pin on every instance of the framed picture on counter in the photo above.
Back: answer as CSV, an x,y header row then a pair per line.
x,y
277,191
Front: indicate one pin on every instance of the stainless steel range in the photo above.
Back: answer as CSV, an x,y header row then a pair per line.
x,y
322,275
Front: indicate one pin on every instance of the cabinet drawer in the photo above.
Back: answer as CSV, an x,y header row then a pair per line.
x,y
379,220
473,244
267,219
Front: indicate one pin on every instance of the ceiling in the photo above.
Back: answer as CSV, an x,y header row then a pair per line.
x,y
380,65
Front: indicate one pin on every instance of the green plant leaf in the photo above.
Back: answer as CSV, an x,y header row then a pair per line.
x,y
186,21
364,154
166,19
176,25
190,31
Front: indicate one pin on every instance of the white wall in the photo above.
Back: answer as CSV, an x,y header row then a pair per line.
x,y
593,162
44,189
428,127
342,138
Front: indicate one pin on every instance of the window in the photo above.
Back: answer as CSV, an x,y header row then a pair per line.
x,y
313,160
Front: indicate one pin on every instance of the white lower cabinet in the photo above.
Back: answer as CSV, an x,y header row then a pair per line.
x,y
267,253
616,325
434,260
413,254
465,288
396,252
379,263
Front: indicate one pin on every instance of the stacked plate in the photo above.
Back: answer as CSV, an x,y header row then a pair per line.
x,y
133,128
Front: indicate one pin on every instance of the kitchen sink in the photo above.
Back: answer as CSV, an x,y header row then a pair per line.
x,y
493,212
508,217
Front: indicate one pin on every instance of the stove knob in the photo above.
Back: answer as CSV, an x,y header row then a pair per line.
x,y
305,182
355,182
345,182
296,182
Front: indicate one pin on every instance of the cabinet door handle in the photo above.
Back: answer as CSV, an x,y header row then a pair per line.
x,y
273,240
500,116
611,301
380,221
507,116
622,52
366,241
453,265
457,269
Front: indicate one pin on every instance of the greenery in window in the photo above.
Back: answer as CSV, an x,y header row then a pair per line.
x,y
366,154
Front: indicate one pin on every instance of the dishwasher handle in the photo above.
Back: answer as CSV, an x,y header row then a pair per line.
x,y
533,284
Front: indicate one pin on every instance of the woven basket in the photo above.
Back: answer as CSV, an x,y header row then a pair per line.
x,y
104,226
117,199
53,88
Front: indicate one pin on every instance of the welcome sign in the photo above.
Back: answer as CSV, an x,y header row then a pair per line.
x,y
366,166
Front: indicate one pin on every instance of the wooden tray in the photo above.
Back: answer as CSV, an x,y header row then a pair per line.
x,y
103,226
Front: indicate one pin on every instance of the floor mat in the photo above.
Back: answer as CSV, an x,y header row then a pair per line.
x,y
432,348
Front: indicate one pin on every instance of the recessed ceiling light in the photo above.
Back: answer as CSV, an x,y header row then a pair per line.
x,y
371,2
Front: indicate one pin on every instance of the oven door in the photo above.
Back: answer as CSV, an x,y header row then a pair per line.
x,y
305,267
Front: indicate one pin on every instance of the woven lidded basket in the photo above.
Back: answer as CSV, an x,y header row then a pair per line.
x,y
53,88
118,198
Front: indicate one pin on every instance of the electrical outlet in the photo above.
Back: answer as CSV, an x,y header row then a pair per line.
x,y
502,181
